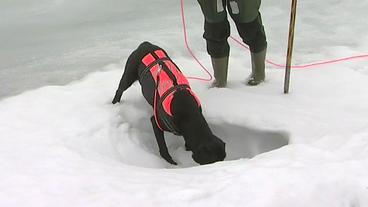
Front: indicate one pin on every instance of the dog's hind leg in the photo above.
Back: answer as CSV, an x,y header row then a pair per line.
x,y
159,134
130,75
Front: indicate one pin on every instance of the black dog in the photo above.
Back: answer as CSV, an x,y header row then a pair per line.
x,y
175,107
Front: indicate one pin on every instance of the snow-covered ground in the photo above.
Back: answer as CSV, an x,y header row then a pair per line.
x,y
62,142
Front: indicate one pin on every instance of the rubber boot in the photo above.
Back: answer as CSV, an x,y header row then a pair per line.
x,y
258,68
220,66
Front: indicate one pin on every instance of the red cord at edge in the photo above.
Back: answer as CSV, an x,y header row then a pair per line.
x,y
245,46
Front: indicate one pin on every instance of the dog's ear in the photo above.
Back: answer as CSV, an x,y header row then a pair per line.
x,y
202,155
220,149
222,142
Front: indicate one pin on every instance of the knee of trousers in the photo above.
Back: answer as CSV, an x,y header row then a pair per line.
x,y
216,35
253,34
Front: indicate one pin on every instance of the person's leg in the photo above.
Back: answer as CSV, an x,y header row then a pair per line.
x,y
216,32
248,21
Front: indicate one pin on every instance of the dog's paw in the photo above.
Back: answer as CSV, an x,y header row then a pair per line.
x,y
115,100
117,97
171,161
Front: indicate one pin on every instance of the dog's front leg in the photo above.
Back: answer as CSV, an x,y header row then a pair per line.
x,y
130,75
159,134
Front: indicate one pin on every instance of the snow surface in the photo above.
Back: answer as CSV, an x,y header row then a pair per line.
x,y
63,144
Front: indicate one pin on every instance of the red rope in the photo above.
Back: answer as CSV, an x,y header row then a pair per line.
x,y
188,48
306,65
320,63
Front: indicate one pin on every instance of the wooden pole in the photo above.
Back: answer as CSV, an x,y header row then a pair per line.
x,y
290,46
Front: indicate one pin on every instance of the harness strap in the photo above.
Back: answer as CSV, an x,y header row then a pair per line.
x,y
165,117
155,105
169,73
150,65
172,89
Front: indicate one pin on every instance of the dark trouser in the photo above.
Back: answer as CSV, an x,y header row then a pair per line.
x,y
247,18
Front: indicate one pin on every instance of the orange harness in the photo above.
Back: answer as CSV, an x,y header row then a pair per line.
x,y
168,79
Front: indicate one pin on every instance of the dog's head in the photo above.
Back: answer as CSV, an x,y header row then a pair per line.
x,y
210,152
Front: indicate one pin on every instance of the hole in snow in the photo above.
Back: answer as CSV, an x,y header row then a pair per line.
x,y
136,144
241,142
244,142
